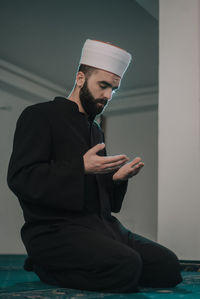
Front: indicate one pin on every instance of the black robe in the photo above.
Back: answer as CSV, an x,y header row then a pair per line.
x,y
46,172
71,238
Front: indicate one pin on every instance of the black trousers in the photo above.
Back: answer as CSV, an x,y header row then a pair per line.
x,y
88,260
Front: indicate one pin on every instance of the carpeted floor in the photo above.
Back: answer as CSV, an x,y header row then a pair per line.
x,y
17,283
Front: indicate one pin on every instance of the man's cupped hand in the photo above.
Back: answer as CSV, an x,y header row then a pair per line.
x,y
95,164
128,170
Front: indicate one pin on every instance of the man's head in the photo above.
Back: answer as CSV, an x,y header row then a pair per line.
x,y
96,88
102,66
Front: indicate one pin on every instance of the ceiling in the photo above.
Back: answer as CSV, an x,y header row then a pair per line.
x,y
45,37
151,6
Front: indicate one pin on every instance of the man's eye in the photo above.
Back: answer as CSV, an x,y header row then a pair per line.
x,y
103,86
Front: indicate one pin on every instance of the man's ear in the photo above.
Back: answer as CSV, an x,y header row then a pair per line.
x,y
80,79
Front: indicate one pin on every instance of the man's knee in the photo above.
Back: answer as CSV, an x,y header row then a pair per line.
x,y
163,272
122,274
128,273
172,270
131,263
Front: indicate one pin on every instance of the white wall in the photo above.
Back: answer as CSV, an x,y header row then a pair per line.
x,y
131,128
179,127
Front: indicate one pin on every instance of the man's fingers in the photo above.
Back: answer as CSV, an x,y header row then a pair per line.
x,y
107,159
115,164
139,165
135,161
136,169
107,167
112,159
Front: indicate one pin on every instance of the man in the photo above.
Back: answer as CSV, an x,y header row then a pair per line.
x,y
68,187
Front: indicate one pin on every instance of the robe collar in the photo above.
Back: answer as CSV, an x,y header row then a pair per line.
x,y
74,107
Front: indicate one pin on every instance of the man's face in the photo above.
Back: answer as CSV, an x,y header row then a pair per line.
x,y
97,91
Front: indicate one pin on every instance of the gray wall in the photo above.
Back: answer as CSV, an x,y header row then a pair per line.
x,y
132,130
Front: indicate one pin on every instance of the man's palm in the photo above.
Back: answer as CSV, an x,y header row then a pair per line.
x,y
128,170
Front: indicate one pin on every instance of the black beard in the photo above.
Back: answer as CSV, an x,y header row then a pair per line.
x,y
89,103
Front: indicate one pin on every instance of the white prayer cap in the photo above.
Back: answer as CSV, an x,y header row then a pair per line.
x,y
105,56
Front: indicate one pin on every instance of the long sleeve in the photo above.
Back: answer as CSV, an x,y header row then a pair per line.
x,y
116,191
119,191
34,174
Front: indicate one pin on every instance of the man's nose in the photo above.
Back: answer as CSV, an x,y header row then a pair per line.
x,y
108,94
